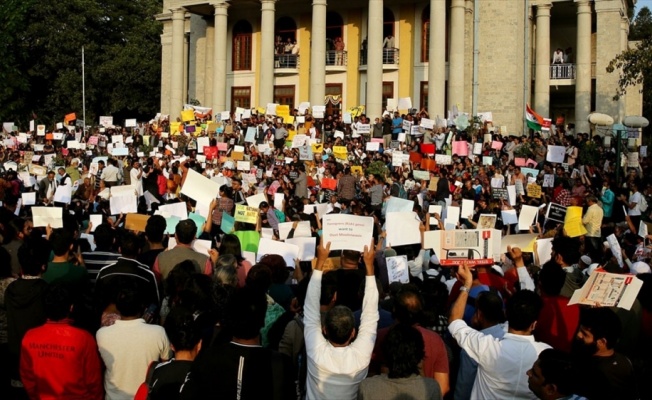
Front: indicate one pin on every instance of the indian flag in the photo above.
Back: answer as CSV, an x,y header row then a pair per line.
x,y
534,120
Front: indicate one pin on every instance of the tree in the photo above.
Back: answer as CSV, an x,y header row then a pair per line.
x,y
41,52
635,65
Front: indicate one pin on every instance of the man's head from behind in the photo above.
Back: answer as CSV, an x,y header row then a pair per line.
x,y
185,231
404,350
58,302
61,240
552,376
488,310
566,250
247,315
339,326
408,305
551,278
523,310
104,237
155,228
598,332
33,256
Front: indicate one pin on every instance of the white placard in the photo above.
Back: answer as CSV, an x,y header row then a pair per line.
x,y
402,228
63,194
397,269
200,188
427,123
303,229
44,216
178,210
254,201
243,165
443,159
509,217
397,204
467,208
131,123
318,111
453,214
522,241
556,154
373,146
347,232
124,203
120,151
527,217
29,198
288,251
106,121
95,220
306,245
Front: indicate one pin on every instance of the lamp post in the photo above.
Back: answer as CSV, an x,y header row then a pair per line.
x,y
605,120
635,121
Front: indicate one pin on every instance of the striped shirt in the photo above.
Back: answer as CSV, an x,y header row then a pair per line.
x,y
96,260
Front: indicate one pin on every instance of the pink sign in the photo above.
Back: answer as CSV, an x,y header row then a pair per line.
x,y
461,148
496,145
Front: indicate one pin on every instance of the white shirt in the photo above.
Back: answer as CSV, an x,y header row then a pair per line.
x,y
127,348
110,174
502,363
335,372
634,198
136,181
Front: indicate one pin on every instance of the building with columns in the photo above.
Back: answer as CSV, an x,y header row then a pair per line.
x,y
481,55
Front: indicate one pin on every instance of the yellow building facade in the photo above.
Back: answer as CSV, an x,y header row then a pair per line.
x,y
480,55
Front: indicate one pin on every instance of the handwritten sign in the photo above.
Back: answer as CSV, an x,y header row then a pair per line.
x,y
246,214
397,269
534,190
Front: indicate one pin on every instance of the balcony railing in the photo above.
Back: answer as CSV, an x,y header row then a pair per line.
x,y
562,71
286,61
390,56
335,58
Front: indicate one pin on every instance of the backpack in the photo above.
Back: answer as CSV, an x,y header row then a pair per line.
x,y
401,191
643,204
280,215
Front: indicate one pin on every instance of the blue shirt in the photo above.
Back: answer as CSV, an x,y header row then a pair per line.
x,y
397,125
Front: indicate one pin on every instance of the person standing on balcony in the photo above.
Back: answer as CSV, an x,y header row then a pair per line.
x,y
558,56
388,49
339,51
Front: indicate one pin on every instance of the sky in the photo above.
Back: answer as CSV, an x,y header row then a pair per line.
x,y
643,3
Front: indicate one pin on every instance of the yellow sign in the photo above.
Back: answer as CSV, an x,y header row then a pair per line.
x,y
187,115
246,214
356,111
317,148
573,222
339,149
174,128
356,169
534,190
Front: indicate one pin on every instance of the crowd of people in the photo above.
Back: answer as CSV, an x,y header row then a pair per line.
x,y
99,303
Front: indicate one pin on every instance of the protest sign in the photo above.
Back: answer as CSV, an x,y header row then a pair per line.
x,y
606,289
402,228
347,232
44,216
556,212
246,214
200,188
397,269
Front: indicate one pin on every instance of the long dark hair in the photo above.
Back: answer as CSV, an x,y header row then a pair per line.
x,y
231,245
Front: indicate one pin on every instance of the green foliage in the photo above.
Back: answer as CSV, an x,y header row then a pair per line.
x,y
41,54
634,66
589,154
524,151
377,168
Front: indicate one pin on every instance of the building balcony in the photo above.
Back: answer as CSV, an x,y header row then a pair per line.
x,y
336,61
562,71
286,64
390,59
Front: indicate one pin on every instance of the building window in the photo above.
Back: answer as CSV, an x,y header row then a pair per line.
x,y
388,92
333,98
242,46
284,95
425,35
388,22
240,97
423,95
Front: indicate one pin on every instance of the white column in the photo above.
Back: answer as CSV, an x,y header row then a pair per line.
x,y
266,84
374,106
178,62
542,71
456,56
318,53
624,43
583,67
436,59
219,57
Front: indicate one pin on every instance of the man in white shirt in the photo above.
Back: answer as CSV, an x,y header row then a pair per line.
x,y
110,174
337,364
633,209
136,174
128,347
502,364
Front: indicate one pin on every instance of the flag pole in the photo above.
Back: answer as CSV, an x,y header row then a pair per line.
x,y
83,92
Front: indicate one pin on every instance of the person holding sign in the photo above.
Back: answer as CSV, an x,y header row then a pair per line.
x,y
336,363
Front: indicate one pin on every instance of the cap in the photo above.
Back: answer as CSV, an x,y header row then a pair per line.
x,y
586,260
639,267
498,269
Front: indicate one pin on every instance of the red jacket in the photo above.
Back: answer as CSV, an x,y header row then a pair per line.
x,y
58,361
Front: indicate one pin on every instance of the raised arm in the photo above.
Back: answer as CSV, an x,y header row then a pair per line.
x,y
312,319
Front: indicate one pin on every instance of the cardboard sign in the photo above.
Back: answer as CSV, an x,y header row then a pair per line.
x,y
136,222
534,190
608,290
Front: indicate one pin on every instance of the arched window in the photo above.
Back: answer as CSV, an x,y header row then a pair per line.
x,y
242,46
425,35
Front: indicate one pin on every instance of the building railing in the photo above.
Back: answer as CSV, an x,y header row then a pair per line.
x,y
390,56
336,58
289,61
562,71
